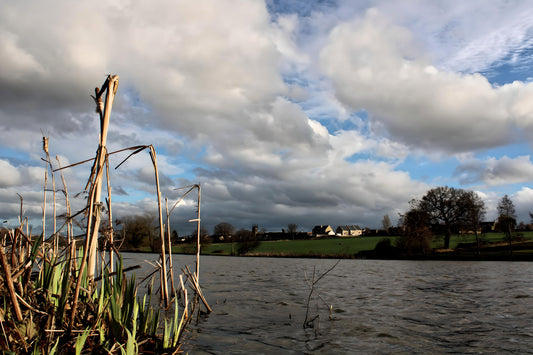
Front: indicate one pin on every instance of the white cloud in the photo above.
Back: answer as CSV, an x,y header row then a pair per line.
x,y
523,200
19,175
17,63
376,66
10,175
465,36
210,84
493,172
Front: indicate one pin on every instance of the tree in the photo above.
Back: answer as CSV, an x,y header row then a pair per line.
x,y
386,223
138,230
223,230
292,229
417,235
507,218
474,213
445,206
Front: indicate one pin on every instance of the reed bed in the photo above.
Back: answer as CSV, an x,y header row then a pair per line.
x,y
62,298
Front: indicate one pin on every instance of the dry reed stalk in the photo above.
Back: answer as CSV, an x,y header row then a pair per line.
x,y
185,310
82,265
112,86
164,285
198,235
67,203
45,148
89,252
48,161
108,154
109,216
171,270
14,242
21,248
191,188
9,282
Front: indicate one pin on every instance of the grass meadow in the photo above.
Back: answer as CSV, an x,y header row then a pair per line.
x,y
346,247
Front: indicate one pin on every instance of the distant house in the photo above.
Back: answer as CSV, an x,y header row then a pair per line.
x,y
322,231
349,231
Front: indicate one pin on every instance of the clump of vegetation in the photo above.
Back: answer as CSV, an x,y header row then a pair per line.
x,y
60,298
110,317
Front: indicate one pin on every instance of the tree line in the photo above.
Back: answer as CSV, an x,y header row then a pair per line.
x,y
448,210
441,211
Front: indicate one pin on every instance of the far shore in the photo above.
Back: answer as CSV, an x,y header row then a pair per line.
x,y
365,248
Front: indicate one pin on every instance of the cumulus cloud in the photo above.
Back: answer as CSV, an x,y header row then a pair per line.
x,y
465,36
231,95
376,65
493,172
19,175
10,175
523,200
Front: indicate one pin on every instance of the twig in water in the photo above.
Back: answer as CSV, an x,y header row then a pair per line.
x,y
309,323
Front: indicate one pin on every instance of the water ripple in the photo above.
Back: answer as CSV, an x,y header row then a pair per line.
x,y
379,307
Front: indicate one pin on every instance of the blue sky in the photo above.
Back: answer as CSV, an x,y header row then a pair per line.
x,y
306,112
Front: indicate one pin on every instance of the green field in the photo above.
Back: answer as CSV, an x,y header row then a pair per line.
x,y
342,247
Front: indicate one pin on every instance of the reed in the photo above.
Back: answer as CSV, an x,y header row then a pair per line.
x,y
55,300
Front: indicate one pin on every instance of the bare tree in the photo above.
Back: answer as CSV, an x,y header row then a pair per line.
x,y
386,223
474,213
292,229
507,218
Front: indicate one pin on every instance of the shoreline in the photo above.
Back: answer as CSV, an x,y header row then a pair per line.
x,y
431,257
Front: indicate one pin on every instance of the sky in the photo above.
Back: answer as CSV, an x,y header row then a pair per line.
x,y
304,112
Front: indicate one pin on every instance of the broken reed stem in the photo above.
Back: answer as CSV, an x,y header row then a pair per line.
x,y
164,285
196,287
312,284
108,154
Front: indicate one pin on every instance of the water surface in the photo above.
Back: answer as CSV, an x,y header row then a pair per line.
x,y
260,304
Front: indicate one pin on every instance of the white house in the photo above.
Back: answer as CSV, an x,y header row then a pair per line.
x,y
349,231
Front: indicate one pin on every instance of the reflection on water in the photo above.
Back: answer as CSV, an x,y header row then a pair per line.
x,y
259,306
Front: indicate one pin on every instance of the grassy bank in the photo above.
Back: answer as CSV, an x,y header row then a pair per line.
x,y
494,246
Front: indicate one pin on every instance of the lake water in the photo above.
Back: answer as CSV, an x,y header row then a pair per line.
x,y
260,304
